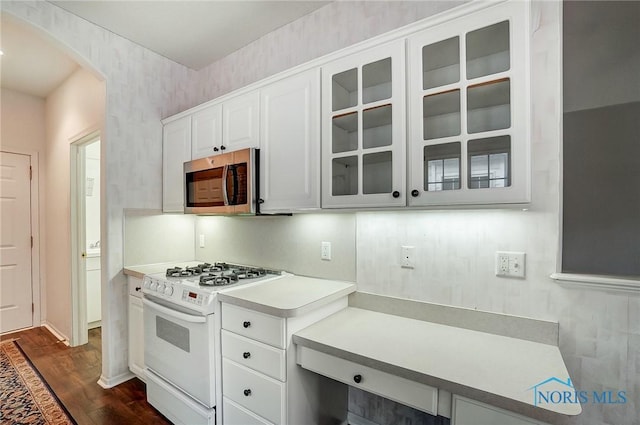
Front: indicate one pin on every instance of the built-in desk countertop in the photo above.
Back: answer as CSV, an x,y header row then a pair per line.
x,y
495,368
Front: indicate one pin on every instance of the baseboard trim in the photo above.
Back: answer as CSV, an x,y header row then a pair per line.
x,y
59,335
107,383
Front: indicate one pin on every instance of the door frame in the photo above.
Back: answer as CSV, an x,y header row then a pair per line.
x,y
36,284
78,181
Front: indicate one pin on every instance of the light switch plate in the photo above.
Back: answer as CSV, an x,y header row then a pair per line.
x,y
407,257
325,251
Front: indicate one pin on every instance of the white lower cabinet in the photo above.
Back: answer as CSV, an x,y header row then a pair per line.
x,y
235,414
254,391
470,412
136,328
261,382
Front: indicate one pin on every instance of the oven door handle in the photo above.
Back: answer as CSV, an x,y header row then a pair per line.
x,y
173,313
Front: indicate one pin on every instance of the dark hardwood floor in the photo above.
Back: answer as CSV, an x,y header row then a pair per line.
x,y
73,373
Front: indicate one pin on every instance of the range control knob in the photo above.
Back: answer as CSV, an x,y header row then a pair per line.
x,y
153,286
147,284
168,290
160,288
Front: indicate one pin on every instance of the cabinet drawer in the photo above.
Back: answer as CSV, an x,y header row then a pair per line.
x,y
234,414
254,325
471,412
255,355
251,390
405,391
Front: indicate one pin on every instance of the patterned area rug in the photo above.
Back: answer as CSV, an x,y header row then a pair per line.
x,y
25,397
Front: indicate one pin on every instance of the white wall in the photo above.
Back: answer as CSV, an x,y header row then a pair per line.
x,y
73,110
152,237
284,243
142,88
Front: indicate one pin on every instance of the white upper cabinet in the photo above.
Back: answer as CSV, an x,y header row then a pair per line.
x,y
290,144
206,132
468,98
363,129
176,150
241,122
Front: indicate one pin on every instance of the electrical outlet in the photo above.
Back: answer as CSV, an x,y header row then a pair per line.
x,y
510,264
407,259
201,241
325,251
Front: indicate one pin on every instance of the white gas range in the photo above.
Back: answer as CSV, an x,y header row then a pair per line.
x,y
182,336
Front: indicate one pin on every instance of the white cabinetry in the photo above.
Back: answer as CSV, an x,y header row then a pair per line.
x,y
363,129
261,382
94,308
176,150
290,144
136,328
470,412
468,99
206,132
241,122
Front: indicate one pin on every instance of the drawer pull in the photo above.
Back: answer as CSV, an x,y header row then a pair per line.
x,y
246,354
357,379
247,392
246,324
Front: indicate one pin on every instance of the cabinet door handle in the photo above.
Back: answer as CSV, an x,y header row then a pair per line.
x,y
357,378
138,289
222,147
247,392
415,193
215,149
246,354
395,194
246,324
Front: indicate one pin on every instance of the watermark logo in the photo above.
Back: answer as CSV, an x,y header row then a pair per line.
x,y
557,391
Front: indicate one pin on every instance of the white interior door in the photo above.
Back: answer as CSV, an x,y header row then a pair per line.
x,y
15,242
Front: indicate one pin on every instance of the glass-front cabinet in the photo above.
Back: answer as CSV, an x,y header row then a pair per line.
x,y
468,93
363,129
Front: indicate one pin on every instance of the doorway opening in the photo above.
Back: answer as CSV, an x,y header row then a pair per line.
x,y
86,287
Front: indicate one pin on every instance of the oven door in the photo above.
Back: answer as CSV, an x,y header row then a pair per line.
x,y
179,347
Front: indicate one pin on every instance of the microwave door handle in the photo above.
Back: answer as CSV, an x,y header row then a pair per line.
x,y
225,195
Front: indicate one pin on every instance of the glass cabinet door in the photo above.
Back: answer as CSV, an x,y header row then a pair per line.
x,y
469,139
363,124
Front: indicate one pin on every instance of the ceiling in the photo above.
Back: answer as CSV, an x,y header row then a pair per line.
x,y
194,33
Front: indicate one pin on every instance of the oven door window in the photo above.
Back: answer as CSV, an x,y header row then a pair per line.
x,y
204,188
174,334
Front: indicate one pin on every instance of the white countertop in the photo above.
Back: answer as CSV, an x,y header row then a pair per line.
x,y
287,296
141,270
426,351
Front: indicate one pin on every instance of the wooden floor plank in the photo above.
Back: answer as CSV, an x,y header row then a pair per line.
x,y
73,373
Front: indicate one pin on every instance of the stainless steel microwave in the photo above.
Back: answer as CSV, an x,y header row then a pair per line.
x,y
222,184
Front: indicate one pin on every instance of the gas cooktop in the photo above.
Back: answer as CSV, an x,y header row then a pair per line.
x,y
195,287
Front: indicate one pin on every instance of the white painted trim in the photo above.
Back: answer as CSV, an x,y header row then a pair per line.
x,y
398,33
107,383
79,325
37,289
59,335
598,282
